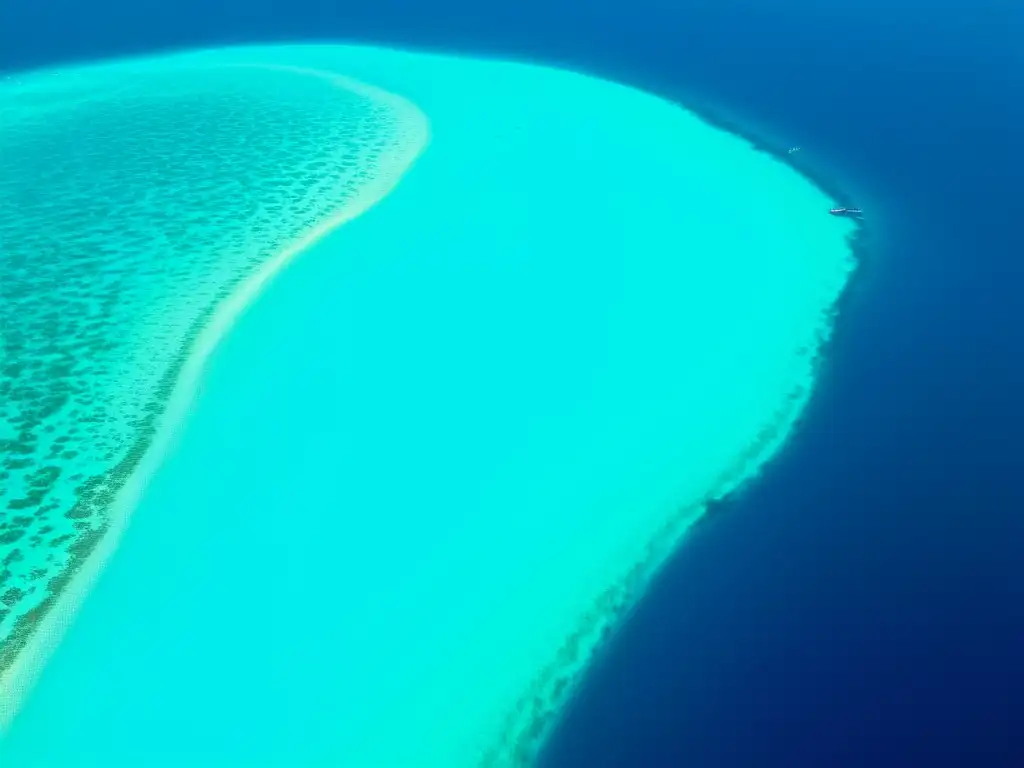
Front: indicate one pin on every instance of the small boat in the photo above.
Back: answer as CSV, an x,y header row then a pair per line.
x,y
852,213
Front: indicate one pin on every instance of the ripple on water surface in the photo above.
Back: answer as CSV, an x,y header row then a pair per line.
x,y
480,415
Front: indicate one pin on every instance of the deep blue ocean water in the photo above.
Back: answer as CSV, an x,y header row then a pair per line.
x,y
863,603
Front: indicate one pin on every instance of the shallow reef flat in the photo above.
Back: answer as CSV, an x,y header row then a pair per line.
x,y
433,466
136,197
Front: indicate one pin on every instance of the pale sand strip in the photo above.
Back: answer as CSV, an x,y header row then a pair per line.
x,y
409,143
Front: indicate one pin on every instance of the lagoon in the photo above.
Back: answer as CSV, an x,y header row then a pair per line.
x,y
437,458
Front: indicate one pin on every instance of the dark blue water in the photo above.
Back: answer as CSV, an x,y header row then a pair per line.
x,y
863,604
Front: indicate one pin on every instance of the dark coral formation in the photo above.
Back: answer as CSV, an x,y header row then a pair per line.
x,y
133,199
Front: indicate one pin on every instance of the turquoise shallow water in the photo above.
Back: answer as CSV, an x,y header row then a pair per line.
x,y
423,469
135,198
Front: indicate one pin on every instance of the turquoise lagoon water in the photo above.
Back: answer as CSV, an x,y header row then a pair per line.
x,y
441,454
140,203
